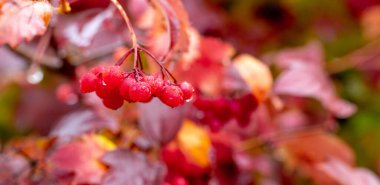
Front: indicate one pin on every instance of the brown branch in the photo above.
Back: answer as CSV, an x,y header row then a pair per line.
x,y
127,21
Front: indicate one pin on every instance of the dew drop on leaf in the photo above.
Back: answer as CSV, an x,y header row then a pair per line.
x,y
34,74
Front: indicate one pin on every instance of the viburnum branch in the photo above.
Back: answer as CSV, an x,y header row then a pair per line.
x,y
42,46
127,21
125,56
159,63
140,62
135,58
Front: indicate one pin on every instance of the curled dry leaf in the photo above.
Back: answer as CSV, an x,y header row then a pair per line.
x,y
256,75
173,16
23,19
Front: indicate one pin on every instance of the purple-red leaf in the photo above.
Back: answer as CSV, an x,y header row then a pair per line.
x,y
312,82
304,76
160,122
344,174
80,158
128,167
80,122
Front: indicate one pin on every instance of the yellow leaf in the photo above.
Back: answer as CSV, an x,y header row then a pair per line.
x,y
256,75
104,142
370,22
195,143
64,7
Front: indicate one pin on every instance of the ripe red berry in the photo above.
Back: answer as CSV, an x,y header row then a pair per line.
x,y
124,88
140,91
166,82
179,181
155,83
187,89
88,83
113,76
98,69
104,91
171,95
113,103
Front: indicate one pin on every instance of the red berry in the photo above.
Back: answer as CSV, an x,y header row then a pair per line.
x,y
187,89
98,69
113,76
171,95
166,82
179,181
140,92
114,102
88,83
155,83
66,94
124,88
104,91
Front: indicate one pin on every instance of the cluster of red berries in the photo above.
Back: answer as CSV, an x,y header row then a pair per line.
x,y
218,112
113,86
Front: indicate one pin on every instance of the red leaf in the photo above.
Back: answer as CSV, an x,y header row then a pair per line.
x,y
304,76
160,122
206,71
310,54
346,175
177,25
306,149
13,168
80,122
323,146
127,167
312,82
23,19
82,158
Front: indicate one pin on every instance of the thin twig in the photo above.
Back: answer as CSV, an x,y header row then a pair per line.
x,y
125,56
159,63
127,21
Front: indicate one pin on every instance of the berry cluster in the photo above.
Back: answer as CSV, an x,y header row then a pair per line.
x,y
113,86
217,112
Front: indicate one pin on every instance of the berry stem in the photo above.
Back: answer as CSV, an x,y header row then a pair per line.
x,y
125,56
135,58
127,21
140,61
159,63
